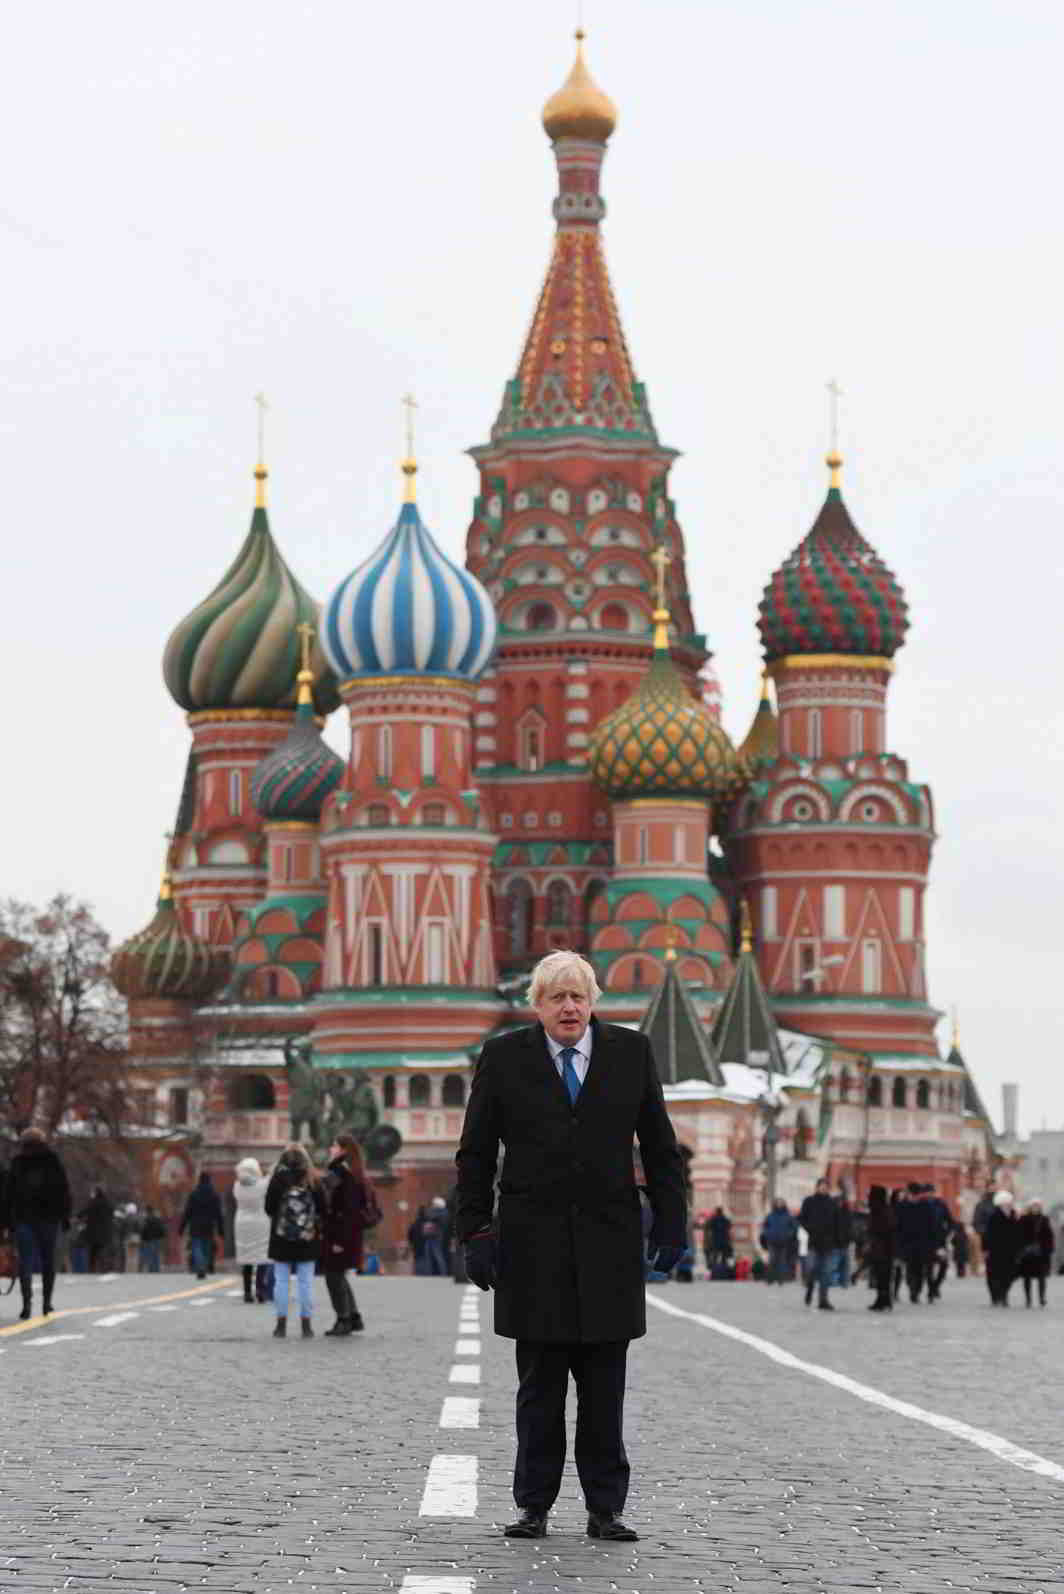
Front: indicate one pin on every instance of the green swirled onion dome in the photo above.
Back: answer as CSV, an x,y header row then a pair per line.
x,y
662,741
293,781
833,594
238,649
166,961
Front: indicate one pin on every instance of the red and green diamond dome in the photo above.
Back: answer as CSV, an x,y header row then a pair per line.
x,y
833,594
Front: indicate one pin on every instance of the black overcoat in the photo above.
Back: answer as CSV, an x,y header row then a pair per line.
x,y
570,1243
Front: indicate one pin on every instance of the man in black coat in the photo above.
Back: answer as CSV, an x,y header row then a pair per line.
x,y
203,1218
566,1097
35,1205
820,1218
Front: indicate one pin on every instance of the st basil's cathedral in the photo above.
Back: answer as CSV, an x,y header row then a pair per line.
x,y
536,760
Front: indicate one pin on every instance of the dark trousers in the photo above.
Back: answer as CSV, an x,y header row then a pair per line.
x,y
999,1277
918,1273
543,1380
341,1295
1028,1280
35,1243
881,1278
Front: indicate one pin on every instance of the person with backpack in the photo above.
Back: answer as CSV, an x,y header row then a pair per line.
x,y
295,1204
350,1208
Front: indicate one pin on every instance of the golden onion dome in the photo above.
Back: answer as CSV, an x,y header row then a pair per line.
x,y
663,741
580,109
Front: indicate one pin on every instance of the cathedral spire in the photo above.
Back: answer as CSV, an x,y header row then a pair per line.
x,y
575,371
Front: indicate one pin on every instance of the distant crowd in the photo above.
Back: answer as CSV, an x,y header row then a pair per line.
x,y
905,1240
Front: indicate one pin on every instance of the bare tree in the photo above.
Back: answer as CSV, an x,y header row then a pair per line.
x,y
63,1026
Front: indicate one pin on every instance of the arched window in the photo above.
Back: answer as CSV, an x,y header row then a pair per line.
x,y
559,903
453,1090
251,1093
592,892
420,1090
519,917
613,617
898,1095
530,754
844,1086
923,1093
803,1137
540,617
379,814
389,1090
875,1091
814,733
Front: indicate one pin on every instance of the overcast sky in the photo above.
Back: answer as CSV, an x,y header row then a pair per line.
x,y
338,202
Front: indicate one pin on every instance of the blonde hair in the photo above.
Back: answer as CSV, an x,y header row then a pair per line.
x,y
559,968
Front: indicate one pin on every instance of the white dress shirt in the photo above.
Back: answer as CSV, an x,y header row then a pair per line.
x,y
582,1060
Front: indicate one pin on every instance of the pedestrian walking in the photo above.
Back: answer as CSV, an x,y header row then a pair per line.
x,y
251,1230
717,1242
350,1209
1002,1243
425,1238
941,1230
296,1206
566,1097
203,1218
779,1234
981,1216
36,1205
1035,1250
916,1240
819,1217
879,1247
846,1234
98,1224
152,1235
961,1248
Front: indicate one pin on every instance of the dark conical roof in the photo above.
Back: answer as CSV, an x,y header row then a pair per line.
x,y
745,1030
677,1034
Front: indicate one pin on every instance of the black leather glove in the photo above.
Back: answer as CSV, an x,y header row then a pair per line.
x,y
665,1258
480,1259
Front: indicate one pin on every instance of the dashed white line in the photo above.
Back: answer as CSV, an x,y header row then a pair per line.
x,y
467,1347
1003,1449
208,1302
460,1411
113,1320
234,1295
164,1308
418,1583
465,1373
451,1487
51,1339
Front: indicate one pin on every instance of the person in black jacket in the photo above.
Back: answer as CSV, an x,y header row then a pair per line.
x,y
566,1097
1035,1250
1002,1241
819,1217
916,1240
98,1221
879,1246
295,1203
36,1204
203,1218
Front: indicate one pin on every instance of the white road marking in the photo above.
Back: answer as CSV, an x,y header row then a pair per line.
x,y
51,1339
1003,1449
460,1411
106,1278
465,1373
114,1319
208,1302
234,1295
451,1487
164,1308
418,1583
467,1321
467,1347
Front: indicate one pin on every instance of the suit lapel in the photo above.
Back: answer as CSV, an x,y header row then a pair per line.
x,y
596,1068
544,1062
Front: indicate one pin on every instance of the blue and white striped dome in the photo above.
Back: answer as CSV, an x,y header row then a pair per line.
x,y
409,610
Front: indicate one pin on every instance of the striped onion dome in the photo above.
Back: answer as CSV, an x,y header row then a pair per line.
x,y
293,781
409,610
662,741
166,961
833,593
238,648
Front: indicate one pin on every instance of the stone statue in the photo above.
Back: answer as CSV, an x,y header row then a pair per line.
x,y
304,1090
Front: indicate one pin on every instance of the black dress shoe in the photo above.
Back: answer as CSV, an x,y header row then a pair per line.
x,y
529,1525
608,1526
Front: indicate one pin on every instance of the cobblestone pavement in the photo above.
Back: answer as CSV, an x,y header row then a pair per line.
x,y
155,1446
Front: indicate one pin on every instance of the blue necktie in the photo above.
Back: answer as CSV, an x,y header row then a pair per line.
x,y
570,1077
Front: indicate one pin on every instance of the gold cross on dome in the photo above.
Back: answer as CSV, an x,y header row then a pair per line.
x,y
306,634
262,406
661,558
834,395
409,405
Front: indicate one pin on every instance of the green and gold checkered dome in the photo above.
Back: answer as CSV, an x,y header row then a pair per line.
x,y
663,742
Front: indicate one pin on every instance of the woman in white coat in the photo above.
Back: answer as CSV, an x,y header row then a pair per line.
x,y
251,1230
